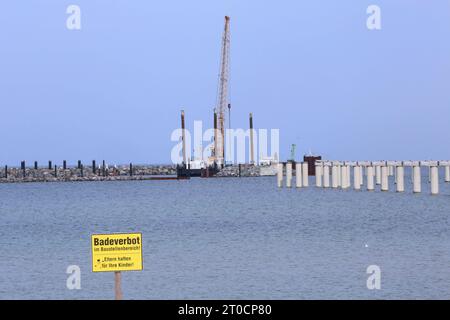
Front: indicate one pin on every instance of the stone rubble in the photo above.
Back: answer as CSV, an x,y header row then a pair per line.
x,y
140,172
242,170
120,173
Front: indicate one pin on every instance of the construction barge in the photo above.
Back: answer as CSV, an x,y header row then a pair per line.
x,y
186,172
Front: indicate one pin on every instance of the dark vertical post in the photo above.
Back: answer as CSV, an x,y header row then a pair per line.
x,y
64,165
183,136
223,134
103,168
50,165
6,172
252,153
81,168
56,171
118,285
93,167
79,164
131,169
35,165
215,134
22,164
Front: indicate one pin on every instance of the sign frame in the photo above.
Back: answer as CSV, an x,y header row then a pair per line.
x,y
116,234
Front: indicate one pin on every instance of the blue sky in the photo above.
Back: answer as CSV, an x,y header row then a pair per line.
x,y
113,90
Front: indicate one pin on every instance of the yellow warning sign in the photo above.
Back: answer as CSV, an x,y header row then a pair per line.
x,y
116,252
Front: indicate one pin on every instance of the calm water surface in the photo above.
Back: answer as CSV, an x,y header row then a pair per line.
x,y
226,239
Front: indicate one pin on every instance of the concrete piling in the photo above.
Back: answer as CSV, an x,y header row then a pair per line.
x,y
349,175
434,177
298,175
361,175
305,174
280,175
400,177
341,174
391,170
319,175
378,174
357,177
395,175
289,174
326,175
447,173
334,176
344,177
370,178
417,179
384,179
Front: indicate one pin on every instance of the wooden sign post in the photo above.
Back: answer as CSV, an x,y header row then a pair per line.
x,y
116,253
118,285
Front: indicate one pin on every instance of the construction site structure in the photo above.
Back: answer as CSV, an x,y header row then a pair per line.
x,y
222,97
311,159
293,148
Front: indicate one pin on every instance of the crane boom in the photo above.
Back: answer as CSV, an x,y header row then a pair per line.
x,y
222,99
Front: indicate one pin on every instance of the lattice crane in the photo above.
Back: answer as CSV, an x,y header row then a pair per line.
x,y
222,97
